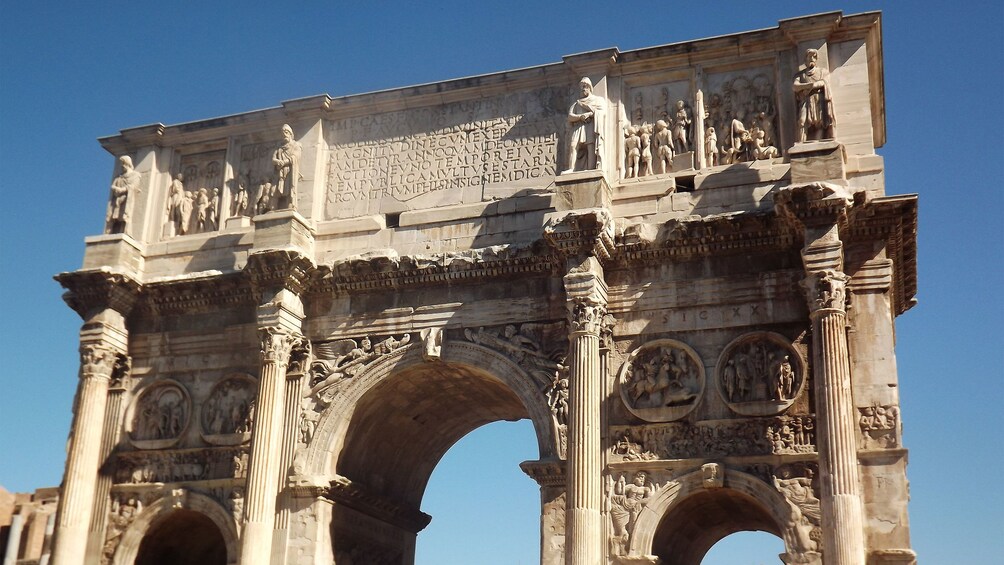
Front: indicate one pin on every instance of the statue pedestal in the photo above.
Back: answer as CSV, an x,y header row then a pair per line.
x,y
813,161
118,251
582,189
283,229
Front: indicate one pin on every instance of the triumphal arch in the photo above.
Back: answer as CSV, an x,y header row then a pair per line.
x,y
679,263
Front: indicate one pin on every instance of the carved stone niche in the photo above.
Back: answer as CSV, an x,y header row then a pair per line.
x,y
662,380
159,416
760,374
228,411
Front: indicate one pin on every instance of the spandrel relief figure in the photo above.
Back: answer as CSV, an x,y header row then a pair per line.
x,y
286,160
586,117
627,500
812,95
664,142
805,512
530,346
632,149
124,186
557,399
681,128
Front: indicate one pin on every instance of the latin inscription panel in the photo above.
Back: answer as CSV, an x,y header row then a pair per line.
x,y
464,151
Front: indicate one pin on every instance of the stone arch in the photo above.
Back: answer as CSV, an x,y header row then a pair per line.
x,y
325,446
154,514
761,508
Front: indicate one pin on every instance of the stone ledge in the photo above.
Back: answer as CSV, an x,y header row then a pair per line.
x,y
372,223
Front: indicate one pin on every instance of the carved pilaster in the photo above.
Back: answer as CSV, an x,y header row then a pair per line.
x,y
550,475
109,440
264,466
299,362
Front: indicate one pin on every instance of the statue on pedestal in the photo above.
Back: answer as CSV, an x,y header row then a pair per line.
x,y
586,140
812,94
123,185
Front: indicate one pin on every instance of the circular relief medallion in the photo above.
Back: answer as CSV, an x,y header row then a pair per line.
x,y
159,416
228,412
662,380
760,374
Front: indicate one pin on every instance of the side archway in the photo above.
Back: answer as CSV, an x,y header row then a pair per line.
x,y
685,519
201,509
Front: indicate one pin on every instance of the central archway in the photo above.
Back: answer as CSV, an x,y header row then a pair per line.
x,y
183,537
387,429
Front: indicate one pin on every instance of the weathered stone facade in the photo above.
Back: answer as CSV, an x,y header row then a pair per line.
x,y
679,263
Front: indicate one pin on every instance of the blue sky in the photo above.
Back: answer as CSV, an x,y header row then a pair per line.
x,y
71,72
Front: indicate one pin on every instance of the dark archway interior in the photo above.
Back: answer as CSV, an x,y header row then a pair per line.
x,y
689,530
182,538
402,428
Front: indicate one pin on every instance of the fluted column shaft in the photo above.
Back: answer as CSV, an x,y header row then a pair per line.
x,y
290,429
76,500
109,439
840,501
263,466
584,525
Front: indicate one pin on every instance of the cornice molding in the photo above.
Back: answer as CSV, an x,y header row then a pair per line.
x,y
89,291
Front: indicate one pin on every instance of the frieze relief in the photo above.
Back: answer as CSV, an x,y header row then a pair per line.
x,y
194,195
660,137
146,467
741,117
228,413
879,424
159,415
780,435
662,380
760,374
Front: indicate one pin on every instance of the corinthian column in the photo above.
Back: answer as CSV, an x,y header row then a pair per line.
x,y
262,487
109,439
840,502
76,501
299,359
587,297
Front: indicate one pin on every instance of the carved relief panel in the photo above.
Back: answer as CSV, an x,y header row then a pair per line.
x,y
228,412
759,374
257,187
195,195
159,415
659,136
741,109
662,380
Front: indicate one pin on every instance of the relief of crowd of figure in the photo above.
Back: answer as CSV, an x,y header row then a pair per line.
x,y
162,413
779,435
757,371
230,408
173,466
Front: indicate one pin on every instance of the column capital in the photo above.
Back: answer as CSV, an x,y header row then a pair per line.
x,y
97,360
825,291
91,291
277,344
546,472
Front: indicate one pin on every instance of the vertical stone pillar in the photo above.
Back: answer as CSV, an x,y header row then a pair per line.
x,y
840,500
299,359
109,439
550,475
582,237
76,501
820,210
263,465
14,539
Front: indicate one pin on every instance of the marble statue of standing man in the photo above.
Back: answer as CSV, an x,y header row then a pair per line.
x,y
287,166
123,186
812,94
586,119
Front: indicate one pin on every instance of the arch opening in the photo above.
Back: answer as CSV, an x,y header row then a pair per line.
x,y
399,430
688,531
183,537
745,547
